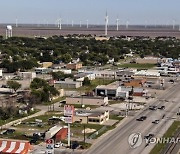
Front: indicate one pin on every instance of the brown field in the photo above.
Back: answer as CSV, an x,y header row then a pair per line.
x,y
44,30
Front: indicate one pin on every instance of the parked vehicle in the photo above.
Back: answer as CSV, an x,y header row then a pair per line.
x,y
142,118
154,107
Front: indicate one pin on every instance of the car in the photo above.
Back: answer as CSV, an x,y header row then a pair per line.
x,y
33,141
153,107
75,144
155,121
149,136
57,145
161,107
142,118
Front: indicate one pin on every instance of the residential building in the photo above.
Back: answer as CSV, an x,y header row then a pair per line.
x,y
74,66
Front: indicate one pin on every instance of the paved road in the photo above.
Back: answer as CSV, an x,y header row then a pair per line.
x,y
116,142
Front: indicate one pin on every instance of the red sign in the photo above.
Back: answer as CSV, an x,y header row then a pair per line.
x,y
68,110
49,141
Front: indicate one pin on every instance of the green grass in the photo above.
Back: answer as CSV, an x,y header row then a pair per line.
x,y
170,132
115,102
115,117
55,100
3,122
80,106
138,66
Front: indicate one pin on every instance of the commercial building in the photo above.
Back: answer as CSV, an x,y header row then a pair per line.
x,y
81,76
74,66
110,90
91,117
68,83
87,100
147,60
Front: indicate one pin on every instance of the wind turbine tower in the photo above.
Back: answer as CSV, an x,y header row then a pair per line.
x,y
87,22
60,23
127,24
16,22
8,31
117,23
106,23
72,24
173,24
80,24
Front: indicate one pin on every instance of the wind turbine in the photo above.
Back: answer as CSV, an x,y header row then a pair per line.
x,y
87,22
80,24
16,22
106,23
60,23
173,24
127,24
117,24
72,23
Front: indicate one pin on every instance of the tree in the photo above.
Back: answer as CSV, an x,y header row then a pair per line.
x,y
86,81
42,90
14,85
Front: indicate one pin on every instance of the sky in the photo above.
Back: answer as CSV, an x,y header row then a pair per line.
x,y
48,11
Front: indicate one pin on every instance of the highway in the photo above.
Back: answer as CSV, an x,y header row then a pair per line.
x,y
116,142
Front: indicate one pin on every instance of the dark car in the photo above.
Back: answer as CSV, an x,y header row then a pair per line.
x,y
149,136
161,107
155,121
33,141
153,107
142,118
75,144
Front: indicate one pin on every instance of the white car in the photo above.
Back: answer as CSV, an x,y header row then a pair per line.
x,y
57,145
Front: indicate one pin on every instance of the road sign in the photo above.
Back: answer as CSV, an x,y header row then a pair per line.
x,y
68,120
68,110
49,141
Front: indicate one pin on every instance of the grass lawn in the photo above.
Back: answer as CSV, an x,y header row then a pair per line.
x,y
55,100
115,102
80,106
170,132
2,122
138,66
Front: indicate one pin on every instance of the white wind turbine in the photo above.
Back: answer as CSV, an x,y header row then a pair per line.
x,y
106,23
117,24
87,24
127,24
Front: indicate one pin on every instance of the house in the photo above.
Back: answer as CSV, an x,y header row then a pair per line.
x,y
74,66
91,116
87,100
68,83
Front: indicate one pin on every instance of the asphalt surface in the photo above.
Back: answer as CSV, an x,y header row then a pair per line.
x,y
116,142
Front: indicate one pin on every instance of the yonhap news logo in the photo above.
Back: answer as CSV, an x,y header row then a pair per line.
x,y
135,140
